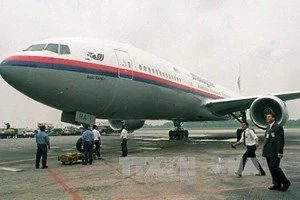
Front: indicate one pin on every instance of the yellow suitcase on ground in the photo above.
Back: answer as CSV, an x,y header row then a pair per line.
x,y
70,158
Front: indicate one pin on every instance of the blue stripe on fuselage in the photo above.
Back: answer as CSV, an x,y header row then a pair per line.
x,y
95,71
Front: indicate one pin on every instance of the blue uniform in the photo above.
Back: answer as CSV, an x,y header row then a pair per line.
x,y
88,145
42,138
42,141
88,136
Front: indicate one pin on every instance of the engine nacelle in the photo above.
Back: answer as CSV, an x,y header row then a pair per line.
x,y
263,105
130,125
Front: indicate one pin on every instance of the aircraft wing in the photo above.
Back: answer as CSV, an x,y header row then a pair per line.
x,y
227,106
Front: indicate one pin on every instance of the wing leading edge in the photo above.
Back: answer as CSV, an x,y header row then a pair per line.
x,y
227,106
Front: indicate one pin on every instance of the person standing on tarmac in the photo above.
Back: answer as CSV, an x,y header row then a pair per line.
x,y
43,144
97,139
250,140
273,152
123,138
88,145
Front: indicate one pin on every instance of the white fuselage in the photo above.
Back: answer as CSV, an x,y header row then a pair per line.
x,y
111,81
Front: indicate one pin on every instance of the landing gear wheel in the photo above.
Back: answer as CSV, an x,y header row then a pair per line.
x,y
79,145
186,133
171,135
178,133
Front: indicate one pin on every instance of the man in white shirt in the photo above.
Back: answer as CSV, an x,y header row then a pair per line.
x,y
97,141
250,140
123,138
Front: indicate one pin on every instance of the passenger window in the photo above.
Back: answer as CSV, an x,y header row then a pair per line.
x,y
156,72
145,68
52,48
36,47
160,73
153,72
140,66
64,49
149,70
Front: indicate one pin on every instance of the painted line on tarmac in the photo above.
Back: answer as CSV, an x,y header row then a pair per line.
x,y
59,181
24,160
11,169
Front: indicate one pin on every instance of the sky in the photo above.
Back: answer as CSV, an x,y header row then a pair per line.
x,y
209,37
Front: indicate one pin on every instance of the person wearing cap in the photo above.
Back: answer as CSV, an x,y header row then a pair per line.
x,y
123,138
43,144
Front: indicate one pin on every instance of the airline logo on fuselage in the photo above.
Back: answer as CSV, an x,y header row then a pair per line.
x,y
96,56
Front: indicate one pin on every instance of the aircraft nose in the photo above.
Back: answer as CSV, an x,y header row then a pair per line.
x,y
16,73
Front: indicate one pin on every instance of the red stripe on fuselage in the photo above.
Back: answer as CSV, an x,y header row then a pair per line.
x,y
88,65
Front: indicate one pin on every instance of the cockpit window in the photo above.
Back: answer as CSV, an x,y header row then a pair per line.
x,y
55,48
64,49
52,47
36,47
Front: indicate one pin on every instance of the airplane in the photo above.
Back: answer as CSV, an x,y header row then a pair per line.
x,y
89,78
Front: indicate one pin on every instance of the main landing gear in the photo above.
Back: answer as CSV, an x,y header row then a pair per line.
x,y
179,132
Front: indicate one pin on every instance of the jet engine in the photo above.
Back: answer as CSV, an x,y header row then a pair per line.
x,y
130,125
262,105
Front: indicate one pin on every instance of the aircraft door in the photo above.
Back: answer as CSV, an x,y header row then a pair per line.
x,y
125,66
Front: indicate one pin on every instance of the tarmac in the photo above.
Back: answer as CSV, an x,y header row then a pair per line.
x,y
200,167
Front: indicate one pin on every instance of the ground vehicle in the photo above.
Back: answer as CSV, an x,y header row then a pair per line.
x,y
104,130
28,133
56,132
70,130
79,131
8,132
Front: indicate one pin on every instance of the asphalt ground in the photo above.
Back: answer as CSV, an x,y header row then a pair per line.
x,y
201,167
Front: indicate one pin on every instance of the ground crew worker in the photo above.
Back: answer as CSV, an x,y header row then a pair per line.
x,y
97,139
123,138
43,143
88,145
250,140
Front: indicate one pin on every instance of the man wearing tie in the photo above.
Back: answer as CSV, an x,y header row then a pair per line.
x,y
273,151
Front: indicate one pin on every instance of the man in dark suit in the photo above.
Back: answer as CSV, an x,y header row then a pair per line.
x,y
273,151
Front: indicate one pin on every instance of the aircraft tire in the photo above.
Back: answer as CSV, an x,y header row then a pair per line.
x,y
171,134
186,133
79,145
